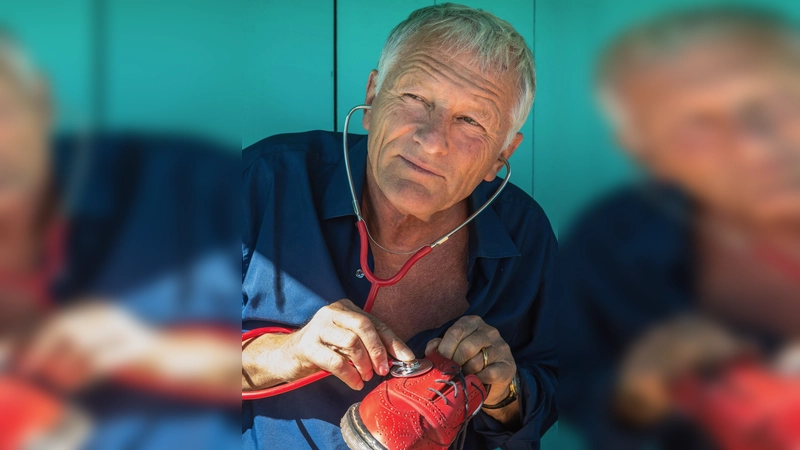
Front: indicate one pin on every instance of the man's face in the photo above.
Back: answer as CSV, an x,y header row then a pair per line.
x,y
723,122
436,129
23,152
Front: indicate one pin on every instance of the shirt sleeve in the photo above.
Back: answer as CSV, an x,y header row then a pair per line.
x,y
537,366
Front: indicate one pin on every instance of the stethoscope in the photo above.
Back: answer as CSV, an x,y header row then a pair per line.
x,y
401,368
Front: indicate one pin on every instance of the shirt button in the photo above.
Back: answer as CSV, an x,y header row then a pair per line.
x,y
359,274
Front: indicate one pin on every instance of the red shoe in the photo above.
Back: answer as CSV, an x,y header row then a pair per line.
x,y
745,407
427,411
32,419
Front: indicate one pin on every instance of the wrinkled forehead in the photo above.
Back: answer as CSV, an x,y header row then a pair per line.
x,y
452,53
723,71
490,89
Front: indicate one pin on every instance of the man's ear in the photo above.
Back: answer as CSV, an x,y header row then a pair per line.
x,y
371,82
506,153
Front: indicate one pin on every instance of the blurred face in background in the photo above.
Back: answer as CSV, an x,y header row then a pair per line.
x,y
722,121
23,154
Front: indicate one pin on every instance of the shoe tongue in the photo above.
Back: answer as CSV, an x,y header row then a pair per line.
x,y
443,369
443,364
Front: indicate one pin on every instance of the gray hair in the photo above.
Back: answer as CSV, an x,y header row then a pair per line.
x,y
673,34
16,66
495,43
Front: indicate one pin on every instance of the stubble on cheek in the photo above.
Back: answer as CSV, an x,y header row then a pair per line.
x,y
381,135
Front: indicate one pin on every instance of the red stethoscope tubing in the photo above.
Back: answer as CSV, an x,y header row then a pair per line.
x,y
377,283
380,282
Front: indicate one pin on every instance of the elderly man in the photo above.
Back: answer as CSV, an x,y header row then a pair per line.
x,y
453,87
709,103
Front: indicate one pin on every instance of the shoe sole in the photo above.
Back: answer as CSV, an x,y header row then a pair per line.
x,y
355,434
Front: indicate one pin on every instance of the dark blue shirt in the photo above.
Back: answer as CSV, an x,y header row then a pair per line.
x,y
300,252
629,263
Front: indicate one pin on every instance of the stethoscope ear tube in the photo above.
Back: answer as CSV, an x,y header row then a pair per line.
x,y
356,209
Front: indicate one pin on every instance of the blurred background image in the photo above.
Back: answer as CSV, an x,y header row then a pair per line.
x,y
119,224
681,250
664,145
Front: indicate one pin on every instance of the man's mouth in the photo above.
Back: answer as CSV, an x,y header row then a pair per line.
x,y
416,167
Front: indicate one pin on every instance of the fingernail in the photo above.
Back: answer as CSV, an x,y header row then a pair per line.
x,y
360,386
406,355
384,369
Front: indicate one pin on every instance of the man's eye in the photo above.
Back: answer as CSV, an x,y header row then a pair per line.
x,y
470,121
414,97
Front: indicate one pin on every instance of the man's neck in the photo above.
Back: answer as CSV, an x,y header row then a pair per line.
x,y
403,232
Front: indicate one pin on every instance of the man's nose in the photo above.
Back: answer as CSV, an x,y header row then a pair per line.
x,y
432,135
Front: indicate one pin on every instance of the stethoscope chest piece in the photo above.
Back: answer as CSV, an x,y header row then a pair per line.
x,y
402,369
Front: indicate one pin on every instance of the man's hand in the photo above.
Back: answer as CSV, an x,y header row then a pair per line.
x,y
464,343
662,355
85,343
338,335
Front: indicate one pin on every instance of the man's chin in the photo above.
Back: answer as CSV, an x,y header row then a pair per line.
x,y
411,202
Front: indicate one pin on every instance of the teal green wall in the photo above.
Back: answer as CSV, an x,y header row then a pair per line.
x,y
173,66
144,65
288,68
59,42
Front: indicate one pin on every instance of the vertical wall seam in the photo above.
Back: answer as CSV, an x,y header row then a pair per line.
x,y
99,62
335,68
533,112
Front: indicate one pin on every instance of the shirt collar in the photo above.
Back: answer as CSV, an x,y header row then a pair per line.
x,y
337,201
492,239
